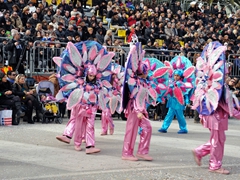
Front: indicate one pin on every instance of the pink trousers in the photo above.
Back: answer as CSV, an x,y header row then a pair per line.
x,y
214,147
107,121
85,123
70,127
131,133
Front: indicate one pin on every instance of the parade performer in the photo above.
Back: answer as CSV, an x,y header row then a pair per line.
x,y
138,91
213,101
114,95
180,90
84,68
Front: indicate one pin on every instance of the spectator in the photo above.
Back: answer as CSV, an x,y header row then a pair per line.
x,y
16,21
108,35
15,49
7,98
3,6
3,19
21,89
34,20
11,75
100,36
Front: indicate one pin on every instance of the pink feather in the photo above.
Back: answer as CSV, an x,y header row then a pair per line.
x,y
69,86
217,76
74,55
152,93
57,61
68,78
140,98
100,54
189,71
84,52
106,84
178,62
134,92
213,57
153,67
105,61
179,95
74,98
69,68
160,72
213,97
113,103
92,53
92,98
201,64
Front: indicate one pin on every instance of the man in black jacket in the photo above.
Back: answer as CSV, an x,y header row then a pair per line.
x,y
15,49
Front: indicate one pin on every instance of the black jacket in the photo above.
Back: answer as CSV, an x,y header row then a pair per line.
x,y
4,86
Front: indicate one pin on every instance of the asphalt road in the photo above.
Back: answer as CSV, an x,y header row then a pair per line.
x,y
31,152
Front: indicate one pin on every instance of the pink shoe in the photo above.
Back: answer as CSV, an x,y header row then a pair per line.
x,y
197,160
83,141
77,148
129,158
144,156
63,139
103,133
111,131
220,171
92,150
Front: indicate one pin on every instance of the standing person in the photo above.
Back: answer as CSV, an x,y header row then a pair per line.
x,y
213,116
15,48
180,91
88,94
7,98
137,95
114,103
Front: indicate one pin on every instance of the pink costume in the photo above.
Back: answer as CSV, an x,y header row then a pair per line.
x,y
83,73
107,120
138,92
217,123
214,102
114,94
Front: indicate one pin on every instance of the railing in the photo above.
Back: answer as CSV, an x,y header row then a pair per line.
x,y
235,60
39,56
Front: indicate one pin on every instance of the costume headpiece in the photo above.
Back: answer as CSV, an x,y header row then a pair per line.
x,y
92,70
210,78
134,64
178,72
73,64
183,67
143,67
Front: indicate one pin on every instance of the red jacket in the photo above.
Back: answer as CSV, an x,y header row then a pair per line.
x,y
131,21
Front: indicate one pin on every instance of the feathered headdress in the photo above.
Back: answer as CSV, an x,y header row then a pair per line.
x,y
210,78
182,66
135,66
74,64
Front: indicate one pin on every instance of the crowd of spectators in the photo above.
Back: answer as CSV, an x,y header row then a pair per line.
x,y
178,30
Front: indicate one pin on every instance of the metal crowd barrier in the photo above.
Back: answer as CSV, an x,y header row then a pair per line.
x,y
39,57
235,60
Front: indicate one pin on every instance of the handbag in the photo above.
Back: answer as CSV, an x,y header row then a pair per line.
x,y
6,118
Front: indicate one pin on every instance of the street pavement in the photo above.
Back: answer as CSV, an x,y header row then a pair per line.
x,y
31,151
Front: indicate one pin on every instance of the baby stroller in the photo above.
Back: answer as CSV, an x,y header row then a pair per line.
x,y
46,88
